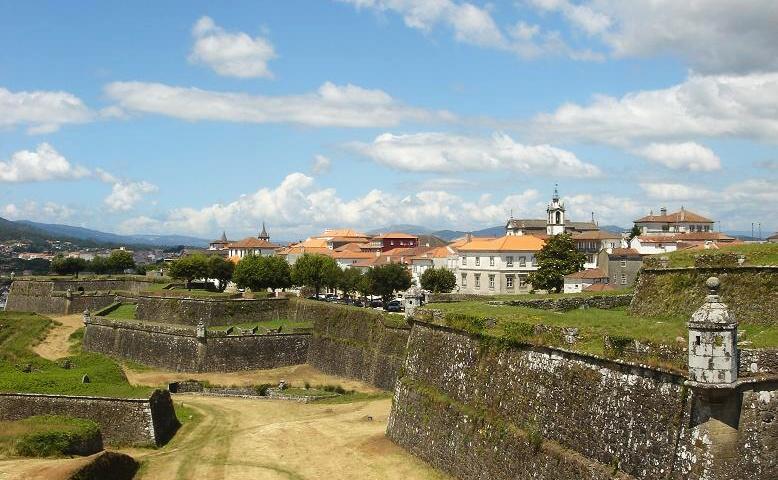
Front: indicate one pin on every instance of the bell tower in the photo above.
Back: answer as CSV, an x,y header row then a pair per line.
x,y
555,220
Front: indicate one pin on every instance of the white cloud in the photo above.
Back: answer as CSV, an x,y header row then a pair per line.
x,y
230,54
706,106
321,164
675,191
40,165
125,196
42,212
41,111
330,106
681,156
443,152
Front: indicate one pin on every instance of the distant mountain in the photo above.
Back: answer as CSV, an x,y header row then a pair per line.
x,y
57,231
14,231
402,227
614,228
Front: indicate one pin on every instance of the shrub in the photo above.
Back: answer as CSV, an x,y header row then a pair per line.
x,y
307,386
57,436
262,389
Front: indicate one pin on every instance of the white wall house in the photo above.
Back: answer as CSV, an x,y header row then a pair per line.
x,y
435,258
497,266
251,246
585,279
682,221
650,245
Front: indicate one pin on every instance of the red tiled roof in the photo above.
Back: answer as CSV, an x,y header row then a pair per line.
x,y
681,216
395,235
625,252
253,242
595,235
508,243
599,287
588,274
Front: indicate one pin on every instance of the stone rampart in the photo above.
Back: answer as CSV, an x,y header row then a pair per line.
x,y
52,296
480,409
212,311
563,304
751,293
123,421
354,342
178,347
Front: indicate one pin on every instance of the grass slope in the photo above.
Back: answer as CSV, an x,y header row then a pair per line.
x,y
755,253
44,435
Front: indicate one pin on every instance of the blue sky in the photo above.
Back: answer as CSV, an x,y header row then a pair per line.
x,y
193,117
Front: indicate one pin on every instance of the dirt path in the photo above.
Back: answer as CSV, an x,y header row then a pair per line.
x,y
263,439
56,343
295,375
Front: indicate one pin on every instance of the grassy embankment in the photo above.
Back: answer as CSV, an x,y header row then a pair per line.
x,y
593,324
21,370
755,253
44,435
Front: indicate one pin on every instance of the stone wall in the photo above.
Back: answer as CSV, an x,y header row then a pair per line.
x,y
178,348
752,362
123,421
51,297
563,304
751,293
354,342
212,311
477,408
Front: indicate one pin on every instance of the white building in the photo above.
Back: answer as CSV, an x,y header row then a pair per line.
x,y
555,222
682,221
497,266
259,245
435,258
585,280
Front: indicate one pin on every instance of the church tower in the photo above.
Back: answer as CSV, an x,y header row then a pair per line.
x,y
555,221
263,235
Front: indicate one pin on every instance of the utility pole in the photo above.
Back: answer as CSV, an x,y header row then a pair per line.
x,y
760,231
752,230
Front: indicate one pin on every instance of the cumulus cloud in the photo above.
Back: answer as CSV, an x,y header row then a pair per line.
x,y
41,111
330,106
681,156
230,54
42,212
443,152
43,164
755,194
743,106
321,164
125,196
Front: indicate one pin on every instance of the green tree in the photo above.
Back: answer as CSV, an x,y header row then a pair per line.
x,y
636,231
69,265
386,279
189,268
220,269
262,272
350,281
99,265
315,271
557,258
120,261
438,280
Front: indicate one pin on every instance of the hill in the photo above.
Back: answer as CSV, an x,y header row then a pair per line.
x,y
85,234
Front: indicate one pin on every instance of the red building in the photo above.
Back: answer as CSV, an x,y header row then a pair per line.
x,y
389,241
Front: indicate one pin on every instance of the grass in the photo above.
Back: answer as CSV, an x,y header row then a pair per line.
x,y
352,397
593,324
755,253
20,331
125,311
44,435
194,293
287,325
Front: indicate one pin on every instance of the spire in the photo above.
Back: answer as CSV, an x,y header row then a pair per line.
x,y
263,234
556,191
224,236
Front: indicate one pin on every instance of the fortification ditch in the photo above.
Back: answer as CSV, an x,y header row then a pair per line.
x,y
211,311
180,349
480,409
354,342
123,421
751,293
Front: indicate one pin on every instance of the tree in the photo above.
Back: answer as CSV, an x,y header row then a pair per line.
x,y
68,266
386,279
438,280
99,265
350,281
636,231
120,261
220,269
189,268
315,271
557,258
262,272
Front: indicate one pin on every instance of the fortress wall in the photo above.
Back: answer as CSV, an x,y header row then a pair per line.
x,y
751,293
354,342
123,421
212,311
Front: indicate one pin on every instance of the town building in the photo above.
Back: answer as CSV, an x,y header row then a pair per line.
x,y
682,221
586,280
439,257
497,266
621,266
222,243
259,245
592,242
554,223
389,241
658,244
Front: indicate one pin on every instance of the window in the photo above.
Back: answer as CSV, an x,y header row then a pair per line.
x,y
623,278
491,261
464,279
522,281
491,282
522,261
509,261
464,260
509,281
477,280
477,261
623,263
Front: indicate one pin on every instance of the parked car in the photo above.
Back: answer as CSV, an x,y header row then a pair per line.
x,y
394,306
376,303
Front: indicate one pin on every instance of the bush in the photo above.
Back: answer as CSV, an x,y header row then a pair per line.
x,y
468,323
56,436
307,386
262,389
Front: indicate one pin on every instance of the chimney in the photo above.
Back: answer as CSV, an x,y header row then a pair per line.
x,y
663,211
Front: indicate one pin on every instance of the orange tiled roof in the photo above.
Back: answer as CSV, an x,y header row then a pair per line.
x,y
253,242
588,274
508,243
599,287
341,232
625,252
595,235
681,216
395,235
